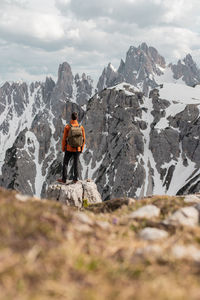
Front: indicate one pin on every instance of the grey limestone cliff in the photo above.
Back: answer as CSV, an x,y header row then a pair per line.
x,y
136,147
187,70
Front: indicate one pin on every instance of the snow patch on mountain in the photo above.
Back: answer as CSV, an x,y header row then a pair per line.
x,y
182,94
11,123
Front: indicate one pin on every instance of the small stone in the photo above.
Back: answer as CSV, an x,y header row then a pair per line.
x,y
188,252
131,201
103,225
186,216
150,250
153,234
147,212
83,218
37,198
33,253
22,198
83,228
192,199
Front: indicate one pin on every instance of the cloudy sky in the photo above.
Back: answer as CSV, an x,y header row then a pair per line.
x,y
37,35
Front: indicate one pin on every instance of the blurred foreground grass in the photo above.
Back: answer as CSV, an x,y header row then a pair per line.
x,y
47,252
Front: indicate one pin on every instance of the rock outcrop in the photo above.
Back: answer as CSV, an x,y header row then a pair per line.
x,y
187,70
79,194
186,216
153,234
147,212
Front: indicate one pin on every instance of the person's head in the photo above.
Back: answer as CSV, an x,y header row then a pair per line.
x,y
74,116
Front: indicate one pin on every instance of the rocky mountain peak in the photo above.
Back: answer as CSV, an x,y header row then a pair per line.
x,y
77,89
156,57
144,48
84,88
131,50
141,65
64,72
144,56
188,60
186,70
121,67
49,81
76,77
84,77
65,79
108,77
48,89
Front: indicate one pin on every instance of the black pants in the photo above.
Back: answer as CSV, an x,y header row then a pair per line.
x,y
67,157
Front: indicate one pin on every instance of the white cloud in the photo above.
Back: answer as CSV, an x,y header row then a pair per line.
x,y
23,23
38,35
46,27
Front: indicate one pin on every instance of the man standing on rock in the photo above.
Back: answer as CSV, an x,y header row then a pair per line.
x,y
72,144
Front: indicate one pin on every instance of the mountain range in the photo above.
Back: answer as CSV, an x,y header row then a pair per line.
x,y
142,127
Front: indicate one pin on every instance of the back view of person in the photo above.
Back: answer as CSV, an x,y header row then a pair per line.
x,y
72,144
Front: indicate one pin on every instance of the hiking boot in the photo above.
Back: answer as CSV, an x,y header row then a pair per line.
x,y
74,181
61,180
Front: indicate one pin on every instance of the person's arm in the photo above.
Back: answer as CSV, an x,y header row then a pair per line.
x,y
64,139
83,131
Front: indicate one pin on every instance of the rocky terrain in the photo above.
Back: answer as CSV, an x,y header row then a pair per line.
x,y
141,145
118,249
83,192
142,127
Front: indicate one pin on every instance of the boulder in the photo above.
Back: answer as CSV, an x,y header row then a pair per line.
x,y
153,234
151,249
192,199
74,194
186,252
186,216
147,212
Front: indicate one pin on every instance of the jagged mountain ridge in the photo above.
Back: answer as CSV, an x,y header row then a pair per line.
x,y
31,155
145,68
32,120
